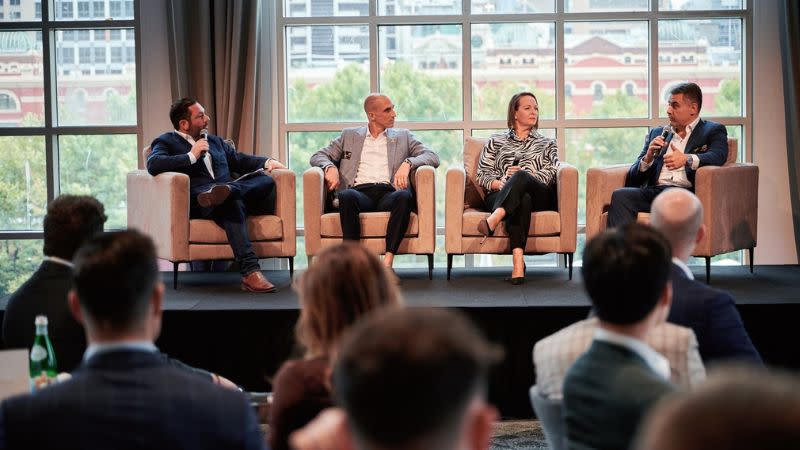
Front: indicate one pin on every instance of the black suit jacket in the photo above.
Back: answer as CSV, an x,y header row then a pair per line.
x,y
713,316
607,392
131,400
709,141
45,292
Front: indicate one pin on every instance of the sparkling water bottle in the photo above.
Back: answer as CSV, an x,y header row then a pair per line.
x,y
43,370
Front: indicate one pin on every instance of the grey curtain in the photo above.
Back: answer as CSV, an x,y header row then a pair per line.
x,y
214,58
790,54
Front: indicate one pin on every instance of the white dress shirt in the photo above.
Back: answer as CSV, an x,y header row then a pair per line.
x,y
678,176
141,346
206,160
62,261
652,358
374,164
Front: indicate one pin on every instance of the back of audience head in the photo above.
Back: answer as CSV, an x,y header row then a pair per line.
x,y
738,408
70,221
116,285
678,214
415,379
343,283
626,273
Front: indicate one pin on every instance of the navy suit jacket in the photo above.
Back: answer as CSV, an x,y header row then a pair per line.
x,y
607,392
130,400
709,141
45,292
170,154
713,316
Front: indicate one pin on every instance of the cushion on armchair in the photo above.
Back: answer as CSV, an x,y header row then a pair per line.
x,y
474,193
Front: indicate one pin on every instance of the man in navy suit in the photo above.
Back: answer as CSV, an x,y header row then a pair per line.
x,y
70,221
671,157
209,162
611,387
711,313
126,395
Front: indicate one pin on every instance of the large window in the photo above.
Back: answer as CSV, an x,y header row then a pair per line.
x,y
68,117
602,70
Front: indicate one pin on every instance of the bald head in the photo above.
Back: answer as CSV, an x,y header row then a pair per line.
x,y
373,101
678,215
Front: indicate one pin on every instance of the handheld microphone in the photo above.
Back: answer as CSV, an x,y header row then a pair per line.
x,y
664,135
204,135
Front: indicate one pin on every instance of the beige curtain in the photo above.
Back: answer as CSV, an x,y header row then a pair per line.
x,y
214,58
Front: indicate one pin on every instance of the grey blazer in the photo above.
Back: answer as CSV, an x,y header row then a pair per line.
x,y
345,153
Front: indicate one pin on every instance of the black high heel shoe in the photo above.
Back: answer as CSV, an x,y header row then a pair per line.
x,y
483,228
516,281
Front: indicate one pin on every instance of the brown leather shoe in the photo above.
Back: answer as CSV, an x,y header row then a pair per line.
x,y
257,282
214,196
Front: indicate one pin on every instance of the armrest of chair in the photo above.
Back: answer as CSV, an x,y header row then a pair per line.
x,y
313,208
425,179
286,207
601,182
729,195
159,207
454,208
567,189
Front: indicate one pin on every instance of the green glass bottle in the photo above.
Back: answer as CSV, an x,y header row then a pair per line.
x,y
43,369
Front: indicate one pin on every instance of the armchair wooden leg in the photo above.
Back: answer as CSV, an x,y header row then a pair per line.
x,y
175,275
708,269
430,266
291,267
449,264
565,260
750,250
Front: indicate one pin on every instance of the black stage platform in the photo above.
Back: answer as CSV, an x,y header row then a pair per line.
x,y
209,322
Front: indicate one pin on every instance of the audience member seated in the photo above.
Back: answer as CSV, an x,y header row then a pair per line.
x,y
553,355
343,283
126,394
671,155
518,170
408,379
369,169
70,221
610,387
711,313
214,194
738,409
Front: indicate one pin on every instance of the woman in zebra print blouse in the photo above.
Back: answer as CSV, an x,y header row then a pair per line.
x,y
518,170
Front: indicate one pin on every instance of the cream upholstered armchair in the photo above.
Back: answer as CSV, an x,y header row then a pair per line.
x,y
729,195
159,206
323,228
550,231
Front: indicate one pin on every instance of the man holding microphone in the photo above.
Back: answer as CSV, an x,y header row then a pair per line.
x,y
671,155
214,194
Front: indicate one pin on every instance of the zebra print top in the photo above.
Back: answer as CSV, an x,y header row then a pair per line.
x,y
538,155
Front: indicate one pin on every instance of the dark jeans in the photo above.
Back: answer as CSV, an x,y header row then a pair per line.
x,y
376,197
251,196
520,196
627,202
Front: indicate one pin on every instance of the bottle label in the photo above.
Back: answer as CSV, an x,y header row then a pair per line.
x,y
38,353
41,381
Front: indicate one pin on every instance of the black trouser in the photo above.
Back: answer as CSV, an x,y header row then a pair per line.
x,y
627,203
376,197
520,196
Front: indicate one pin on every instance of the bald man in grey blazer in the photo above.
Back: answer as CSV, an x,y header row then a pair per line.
x,y
369,169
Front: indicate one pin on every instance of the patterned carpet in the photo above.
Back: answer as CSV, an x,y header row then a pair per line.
x,y
518,435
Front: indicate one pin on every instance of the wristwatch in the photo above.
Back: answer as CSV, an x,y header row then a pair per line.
x,y
408,160
689,161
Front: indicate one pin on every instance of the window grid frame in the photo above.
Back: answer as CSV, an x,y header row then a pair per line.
x,y
48,25
559,18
